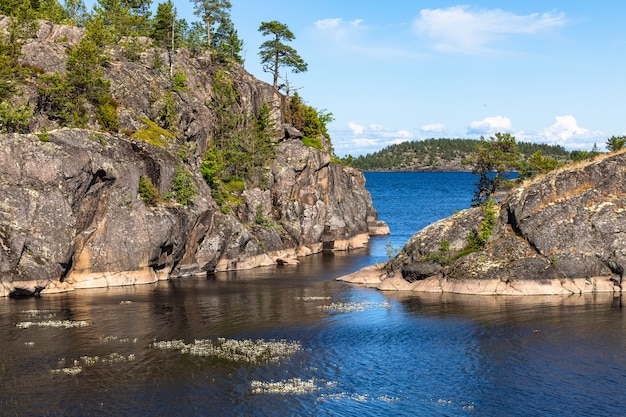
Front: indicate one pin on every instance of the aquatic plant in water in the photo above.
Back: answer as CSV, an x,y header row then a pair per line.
x,y
247,351
340,307
108,339
67,324
312,298
85,361
293,386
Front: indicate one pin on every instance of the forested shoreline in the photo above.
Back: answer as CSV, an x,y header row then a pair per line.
x,y
445,154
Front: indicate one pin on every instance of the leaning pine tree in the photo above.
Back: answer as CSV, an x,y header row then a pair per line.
x,y
275,53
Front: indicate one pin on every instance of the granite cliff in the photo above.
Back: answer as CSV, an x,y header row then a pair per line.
x,y
563,233
71,214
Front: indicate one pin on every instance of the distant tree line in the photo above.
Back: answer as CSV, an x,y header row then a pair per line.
x,y
452,154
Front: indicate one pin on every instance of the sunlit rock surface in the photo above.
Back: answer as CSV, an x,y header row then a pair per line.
x,y
564,233
71,216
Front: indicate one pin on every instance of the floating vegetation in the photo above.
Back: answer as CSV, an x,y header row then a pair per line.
x,y
293,386
312,298
36,312
106,360
67,324
109,339
83,362
41,314
340,307
247,351
361,398
68,371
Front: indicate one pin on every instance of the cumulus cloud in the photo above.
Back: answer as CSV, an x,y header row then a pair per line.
x,y
566,132
462,29
435,128
490,125
356,128
359,139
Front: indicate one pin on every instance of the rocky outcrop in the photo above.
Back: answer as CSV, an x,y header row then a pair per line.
x,y
71,215
564,233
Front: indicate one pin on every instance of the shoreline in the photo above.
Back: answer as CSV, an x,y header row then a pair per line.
x,y
374,277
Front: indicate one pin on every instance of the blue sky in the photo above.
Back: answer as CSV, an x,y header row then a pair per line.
x,y
545,71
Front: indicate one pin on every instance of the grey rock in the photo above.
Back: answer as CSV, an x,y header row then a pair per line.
x,y
567,226
71,216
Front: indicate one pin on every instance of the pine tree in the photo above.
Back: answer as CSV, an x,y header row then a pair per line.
x,y
214,13
275,53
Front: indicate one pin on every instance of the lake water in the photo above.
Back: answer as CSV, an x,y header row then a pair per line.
x,y
291,341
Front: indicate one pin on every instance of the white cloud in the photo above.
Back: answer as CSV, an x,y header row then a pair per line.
x,y
339,30
358,139
461,29
356,128
490,125
404,134
435,128
566,132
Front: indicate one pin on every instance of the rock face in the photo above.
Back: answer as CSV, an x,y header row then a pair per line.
x,y
71,215
561,234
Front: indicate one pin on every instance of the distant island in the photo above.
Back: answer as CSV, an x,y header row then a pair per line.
x,y
449,155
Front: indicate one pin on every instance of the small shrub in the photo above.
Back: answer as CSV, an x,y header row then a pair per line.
x,y
148,191
212,166
106,114
183,188
260,219
179,81
168,116
478,239
133,49
235,185
43,135
14,119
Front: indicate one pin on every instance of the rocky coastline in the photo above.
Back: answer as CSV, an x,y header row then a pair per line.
x,y
72,216
562,233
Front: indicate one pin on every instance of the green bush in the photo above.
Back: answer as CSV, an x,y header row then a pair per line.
x,y
179,81
148,191
478,239
168,116
43,135
106,114
183,188
14,119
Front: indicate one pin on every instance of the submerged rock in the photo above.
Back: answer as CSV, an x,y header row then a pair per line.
x,y
564,233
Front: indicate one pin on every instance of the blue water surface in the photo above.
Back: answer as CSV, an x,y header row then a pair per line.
x,y
363,352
